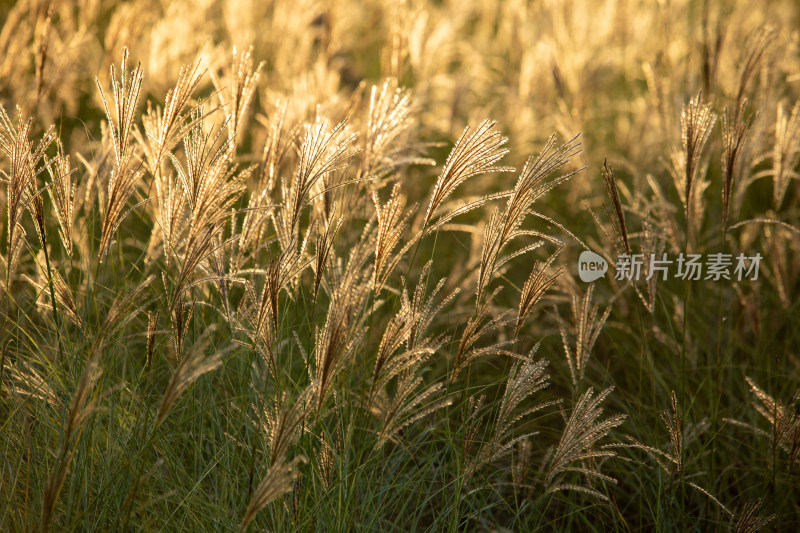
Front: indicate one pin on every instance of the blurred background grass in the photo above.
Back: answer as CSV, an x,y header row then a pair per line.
x,y
618,71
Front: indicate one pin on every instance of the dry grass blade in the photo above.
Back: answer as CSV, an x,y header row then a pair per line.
x,y
611,188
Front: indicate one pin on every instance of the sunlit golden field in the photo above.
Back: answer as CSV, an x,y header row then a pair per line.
x,y
400,266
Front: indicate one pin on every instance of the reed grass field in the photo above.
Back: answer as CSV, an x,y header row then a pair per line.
x,y
397,265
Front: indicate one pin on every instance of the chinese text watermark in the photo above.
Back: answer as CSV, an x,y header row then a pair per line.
x,y
691,267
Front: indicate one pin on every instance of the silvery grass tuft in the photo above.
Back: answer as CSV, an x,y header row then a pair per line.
x,y
311,266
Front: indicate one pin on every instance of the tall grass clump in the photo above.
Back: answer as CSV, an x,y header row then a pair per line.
x,y
280,266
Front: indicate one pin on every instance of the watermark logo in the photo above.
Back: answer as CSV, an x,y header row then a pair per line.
x,y
591,266
691,267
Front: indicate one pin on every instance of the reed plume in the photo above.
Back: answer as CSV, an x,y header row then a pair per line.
x,y
127,172
577,448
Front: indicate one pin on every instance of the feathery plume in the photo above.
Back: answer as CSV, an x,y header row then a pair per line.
x,y
475,152
758,44
278,481
152,325
323,150
748,521
697,120
322,250
388,121
420,309
478,327
65,303
282,423
21,189
126,174
62,194
784,419
785,152
408,405
538,282
531,185
391,224
578,444
671,461
164,129
525,379
196,363
236,96
587,324
735,130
